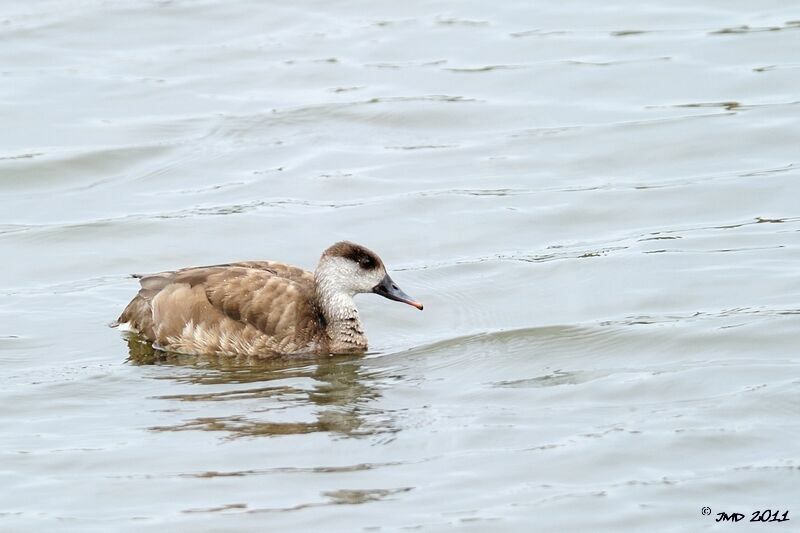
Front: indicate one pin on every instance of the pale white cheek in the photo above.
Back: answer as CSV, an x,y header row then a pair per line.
x,y
347,276
375,279
126,326
365,281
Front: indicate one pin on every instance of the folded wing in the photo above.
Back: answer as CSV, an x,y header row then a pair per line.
x,y
245,308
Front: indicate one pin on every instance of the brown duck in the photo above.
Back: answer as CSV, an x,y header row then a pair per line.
x,y
261,308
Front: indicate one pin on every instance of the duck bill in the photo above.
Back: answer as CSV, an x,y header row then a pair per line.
x,y
388,289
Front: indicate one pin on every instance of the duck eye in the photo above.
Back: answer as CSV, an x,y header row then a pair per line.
x,y
365,262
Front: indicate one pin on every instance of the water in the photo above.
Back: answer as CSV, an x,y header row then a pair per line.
x,y
598,206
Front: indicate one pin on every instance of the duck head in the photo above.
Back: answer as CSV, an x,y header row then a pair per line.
x,y
349,268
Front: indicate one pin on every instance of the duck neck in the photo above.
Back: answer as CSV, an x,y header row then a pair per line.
x,y
342,324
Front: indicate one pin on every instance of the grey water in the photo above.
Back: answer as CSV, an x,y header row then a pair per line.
x,y
598,204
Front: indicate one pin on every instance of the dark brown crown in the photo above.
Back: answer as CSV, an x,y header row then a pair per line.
x,y
367,259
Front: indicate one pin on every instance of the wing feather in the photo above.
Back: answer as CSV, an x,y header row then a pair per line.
x,y
251,307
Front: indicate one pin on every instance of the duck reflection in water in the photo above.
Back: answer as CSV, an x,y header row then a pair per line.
x,y
329,393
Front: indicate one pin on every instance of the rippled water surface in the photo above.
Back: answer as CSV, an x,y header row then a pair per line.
x,y
598,204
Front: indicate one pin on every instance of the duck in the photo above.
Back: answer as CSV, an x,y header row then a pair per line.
x,y
261,308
